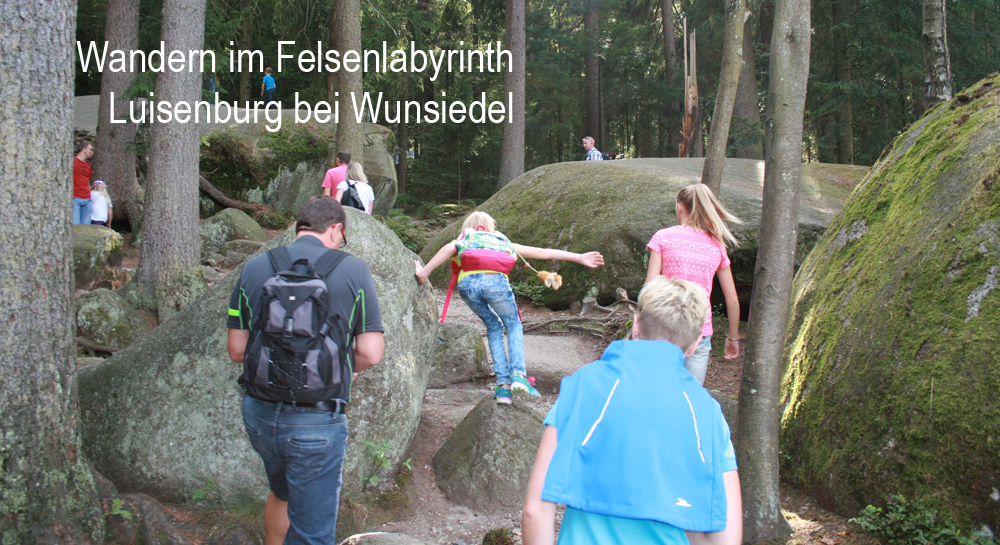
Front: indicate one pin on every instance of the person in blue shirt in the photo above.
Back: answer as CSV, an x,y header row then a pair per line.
x,y
637,450
267,86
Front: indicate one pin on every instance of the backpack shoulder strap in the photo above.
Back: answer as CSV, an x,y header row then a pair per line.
x,y
281,260
328,262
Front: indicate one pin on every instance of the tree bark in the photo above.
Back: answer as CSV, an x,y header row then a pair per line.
x,y
757,441
842,69
747,108
114,160
592,69
512,152
403,147
765,27
169,272
246,42
725,97
47,492
674,114
345,33
937,62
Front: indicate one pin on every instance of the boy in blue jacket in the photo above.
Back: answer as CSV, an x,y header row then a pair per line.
x,y
637,450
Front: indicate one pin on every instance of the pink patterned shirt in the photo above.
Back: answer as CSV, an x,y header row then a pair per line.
x,y
690,254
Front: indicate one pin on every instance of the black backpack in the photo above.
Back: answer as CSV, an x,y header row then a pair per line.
x,y
300,353
351,197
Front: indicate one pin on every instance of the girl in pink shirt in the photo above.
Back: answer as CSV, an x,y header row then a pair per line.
x,y
695,251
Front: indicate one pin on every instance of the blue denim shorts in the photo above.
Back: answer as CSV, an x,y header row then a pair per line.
x,y
303,452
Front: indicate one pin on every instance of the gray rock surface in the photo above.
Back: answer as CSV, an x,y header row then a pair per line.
x,y
107,319
289,190
381,538
459,355
615,207
550,358
228,225
163,416
94,247
486,461
454,404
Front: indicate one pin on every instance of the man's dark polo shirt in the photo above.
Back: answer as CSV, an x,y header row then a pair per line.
x,y
350,285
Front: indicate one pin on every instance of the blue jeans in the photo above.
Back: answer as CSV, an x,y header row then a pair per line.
x,y
81,211
268,96
303,453
490,297
697,363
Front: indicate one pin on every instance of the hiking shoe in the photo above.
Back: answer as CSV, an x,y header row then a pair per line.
x,y
521,384
503,396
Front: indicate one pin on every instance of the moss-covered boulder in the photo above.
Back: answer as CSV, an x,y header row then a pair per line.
x,y
107,319
486,461
459,356
891,374
163,416
615,207
94,248
284,168
230,224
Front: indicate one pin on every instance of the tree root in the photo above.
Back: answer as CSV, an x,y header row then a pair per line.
x,y
155,526
96,347
218,196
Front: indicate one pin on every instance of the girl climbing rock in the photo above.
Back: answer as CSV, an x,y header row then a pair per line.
x,y
482,257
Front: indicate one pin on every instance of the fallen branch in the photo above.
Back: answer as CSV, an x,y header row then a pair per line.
x,y
221,198
96,347
535,325
597,332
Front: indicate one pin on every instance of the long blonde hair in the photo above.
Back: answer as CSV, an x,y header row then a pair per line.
x,y
356,172
103,190
705,212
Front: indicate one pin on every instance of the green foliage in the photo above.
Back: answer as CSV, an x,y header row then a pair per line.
x,y
118,508
499,536
904,522
209,494
379,453
400,224
531,291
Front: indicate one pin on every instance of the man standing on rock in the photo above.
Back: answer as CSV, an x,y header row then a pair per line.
x,y
336,174
298,364
82,171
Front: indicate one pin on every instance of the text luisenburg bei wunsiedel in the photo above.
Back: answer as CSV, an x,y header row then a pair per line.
x,y
376,108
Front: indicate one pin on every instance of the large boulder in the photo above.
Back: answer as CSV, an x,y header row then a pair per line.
x,y
891,375
163,416
230,224
486,461
282,169
107,319
459,356
615,207
94,248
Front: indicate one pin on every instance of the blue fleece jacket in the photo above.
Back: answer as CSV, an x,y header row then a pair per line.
x,y
640,438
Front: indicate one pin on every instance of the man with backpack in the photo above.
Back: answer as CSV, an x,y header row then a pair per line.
x,y
303,319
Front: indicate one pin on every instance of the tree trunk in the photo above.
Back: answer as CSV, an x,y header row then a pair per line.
x,y
114,161
345,33
169,273
842,69
747,108
592,31
765,27
674,114
725,97
246,42
757,441
403,147
937,63
512,152
48,493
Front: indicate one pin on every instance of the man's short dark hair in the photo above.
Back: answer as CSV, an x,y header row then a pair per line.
x,y
319,213
267,70
344,157
82,145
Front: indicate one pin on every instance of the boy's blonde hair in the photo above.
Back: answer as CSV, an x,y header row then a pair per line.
x,y
706,213
356,172
479,219
671,310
